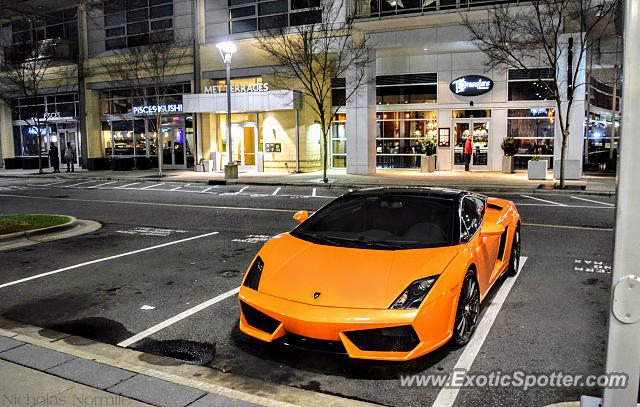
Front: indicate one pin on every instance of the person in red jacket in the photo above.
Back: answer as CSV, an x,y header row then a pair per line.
x,y
467,153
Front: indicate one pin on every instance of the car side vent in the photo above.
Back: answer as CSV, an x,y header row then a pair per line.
x,y
494,206
503,243
253,275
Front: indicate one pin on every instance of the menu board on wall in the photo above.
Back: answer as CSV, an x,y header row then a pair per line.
x,y
444,137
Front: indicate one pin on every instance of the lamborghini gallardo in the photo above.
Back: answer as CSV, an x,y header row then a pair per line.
x,y
382,273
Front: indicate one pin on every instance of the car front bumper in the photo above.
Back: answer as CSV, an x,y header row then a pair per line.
x,y
379,334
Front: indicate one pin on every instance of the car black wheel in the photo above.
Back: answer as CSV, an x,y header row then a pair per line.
x,y
514,258
467,311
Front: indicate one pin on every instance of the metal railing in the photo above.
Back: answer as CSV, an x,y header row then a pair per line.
x,y
361,9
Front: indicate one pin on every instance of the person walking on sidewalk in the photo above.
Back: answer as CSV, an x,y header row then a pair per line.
x,y
54,159
69,156
467,153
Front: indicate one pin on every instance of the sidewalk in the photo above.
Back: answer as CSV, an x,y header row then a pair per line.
x,y
475,181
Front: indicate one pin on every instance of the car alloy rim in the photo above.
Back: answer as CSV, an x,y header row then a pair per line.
x,y
468,308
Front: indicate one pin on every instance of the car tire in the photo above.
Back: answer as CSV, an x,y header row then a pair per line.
x,y
514,257
467,310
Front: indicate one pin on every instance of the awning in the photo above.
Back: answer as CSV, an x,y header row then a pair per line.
x,y
241,102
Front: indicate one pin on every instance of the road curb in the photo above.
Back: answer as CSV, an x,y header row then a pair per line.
x,y
204,378
14,237
483,189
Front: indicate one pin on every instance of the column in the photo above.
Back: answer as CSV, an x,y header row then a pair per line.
x,y
361,118
575,144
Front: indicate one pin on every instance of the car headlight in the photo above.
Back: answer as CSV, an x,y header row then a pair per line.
x,y
414,294
253,275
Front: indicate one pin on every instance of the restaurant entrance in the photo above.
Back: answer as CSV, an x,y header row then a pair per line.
x,y
478,130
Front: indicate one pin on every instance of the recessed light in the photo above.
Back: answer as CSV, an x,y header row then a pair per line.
x,y
425,49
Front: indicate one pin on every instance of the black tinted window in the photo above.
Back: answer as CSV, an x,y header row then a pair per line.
x,y
383,221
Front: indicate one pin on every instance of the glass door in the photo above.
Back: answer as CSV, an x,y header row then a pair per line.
x,y
480,157
68,136
460,135
244,145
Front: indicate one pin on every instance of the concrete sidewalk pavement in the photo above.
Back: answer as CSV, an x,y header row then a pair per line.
x,y
480,181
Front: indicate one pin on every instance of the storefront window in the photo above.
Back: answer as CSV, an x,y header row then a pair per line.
x,y
105,134
122,135
140,138
398,137
535,130
339,142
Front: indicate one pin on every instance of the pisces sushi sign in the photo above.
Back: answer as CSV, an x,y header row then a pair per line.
x,y
471,85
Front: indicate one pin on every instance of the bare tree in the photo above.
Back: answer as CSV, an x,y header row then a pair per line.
x,y
529,35
32,70
308,57
149,70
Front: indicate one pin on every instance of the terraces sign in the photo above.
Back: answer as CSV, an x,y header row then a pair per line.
x,y
471,85
244,88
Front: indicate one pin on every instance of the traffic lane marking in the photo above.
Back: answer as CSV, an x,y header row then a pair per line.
x,y
176,318
447,396
100,260
593,201
567,227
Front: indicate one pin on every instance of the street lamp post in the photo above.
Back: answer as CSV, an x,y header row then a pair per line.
x,y
227,49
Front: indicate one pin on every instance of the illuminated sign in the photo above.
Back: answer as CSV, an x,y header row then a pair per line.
x,y
471,85
33,130
244,88
157,109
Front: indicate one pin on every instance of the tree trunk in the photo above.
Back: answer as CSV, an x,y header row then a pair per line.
x,y
563,150
159,141
325,156
39,148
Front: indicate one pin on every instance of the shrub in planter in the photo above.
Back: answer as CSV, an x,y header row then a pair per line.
x,y
428,159
537,168
510,147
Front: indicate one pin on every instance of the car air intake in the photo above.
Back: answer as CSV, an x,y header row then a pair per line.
x,y
259,320
253,275
396,339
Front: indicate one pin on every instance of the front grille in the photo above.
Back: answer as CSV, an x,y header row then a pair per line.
x,y
259,320
396,339
318,345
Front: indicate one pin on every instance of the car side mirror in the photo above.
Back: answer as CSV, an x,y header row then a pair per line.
x,y
492,229
301,216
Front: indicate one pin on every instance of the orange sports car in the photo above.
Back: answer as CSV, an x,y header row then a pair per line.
x,y
382,273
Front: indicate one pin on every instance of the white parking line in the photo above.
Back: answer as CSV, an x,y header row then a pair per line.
x,y
313,192
591,200
205,190
53,183
177,188
180,316
153,185
104,259
99,185
127,185
276,191
543,200
242,190
79,183
447,396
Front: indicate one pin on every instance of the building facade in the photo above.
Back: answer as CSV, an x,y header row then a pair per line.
x,y
425,79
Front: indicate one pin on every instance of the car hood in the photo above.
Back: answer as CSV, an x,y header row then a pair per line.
x,y
298,270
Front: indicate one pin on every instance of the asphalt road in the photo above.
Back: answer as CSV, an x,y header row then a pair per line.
x,y
553,319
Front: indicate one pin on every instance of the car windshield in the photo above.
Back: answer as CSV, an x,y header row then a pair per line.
x,y
386,221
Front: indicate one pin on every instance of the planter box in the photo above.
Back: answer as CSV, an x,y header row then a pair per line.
x,y
507,164
208,165
537,169
428,163
199,167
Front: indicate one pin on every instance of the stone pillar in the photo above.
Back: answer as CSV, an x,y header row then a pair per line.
x,y
575,144
6,133
361,119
